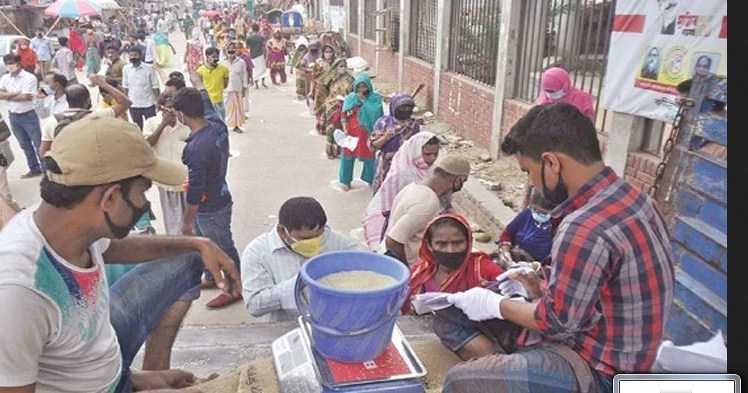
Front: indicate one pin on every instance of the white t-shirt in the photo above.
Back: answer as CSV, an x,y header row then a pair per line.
x,y
170,144
25,83
414,207
56,330
49,124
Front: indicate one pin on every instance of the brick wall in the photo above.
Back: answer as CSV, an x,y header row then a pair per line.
x,y
641,169
416,72
387,66
468,106
513,111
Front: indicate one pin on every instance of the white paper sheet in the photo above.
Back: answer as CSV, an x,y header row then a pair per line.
x,y
425,303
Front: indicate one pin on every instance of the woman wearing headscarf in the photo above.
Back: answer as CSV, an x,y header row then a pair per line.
x,y
446,262
390,132
556,87
319,91
93,60
339,83
302,48
361,109
410,164
29,58
307,63
276,57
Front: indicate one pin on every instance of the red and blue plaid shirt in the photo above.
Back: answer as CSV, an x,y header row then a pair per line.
x,y
611,283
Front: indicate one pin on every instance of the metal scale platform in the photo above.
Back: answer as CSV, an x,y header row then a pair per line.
x,y
301,369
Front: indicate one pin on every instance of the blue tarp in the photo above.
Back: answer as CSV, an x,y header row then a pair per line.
x,y
292,19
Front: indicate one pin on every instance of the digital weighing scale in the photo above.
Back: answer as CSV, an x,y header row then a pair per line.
x,y
301,369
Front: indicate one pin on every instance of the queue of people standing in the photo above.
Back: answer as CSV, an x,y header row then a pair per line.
x,y
599,242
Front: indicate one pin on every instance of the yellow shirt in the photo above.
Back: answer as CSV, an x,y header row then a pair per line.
x,y
214,81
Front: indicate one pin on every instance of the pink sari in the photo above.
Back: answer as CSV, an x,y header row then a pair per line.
x,y
408,166
556,78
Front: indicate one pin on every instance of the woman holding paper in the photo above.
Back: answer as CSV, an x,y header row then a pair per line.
x,y
361,109
445,262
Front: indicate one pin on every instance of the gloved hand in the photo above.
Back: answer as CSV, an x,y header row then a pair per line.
x,y
479,304
511,288
288,293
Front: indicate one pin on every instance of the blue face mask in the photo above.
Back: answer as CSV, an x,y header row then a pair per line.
x,y
540,218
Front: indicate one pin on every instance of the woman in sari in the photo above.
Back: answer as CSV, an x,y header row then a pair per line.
x,y
361,109
410,164
93,60
339,83
319,90
445,261
193,55
276,57
390,132
77,45
302,48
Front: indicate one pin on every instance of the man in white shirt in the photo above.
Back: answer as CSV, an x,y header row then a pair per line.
x,y
64,61
272,261
79,105
69,332
141,84
17,89
236,90
44,51
419,203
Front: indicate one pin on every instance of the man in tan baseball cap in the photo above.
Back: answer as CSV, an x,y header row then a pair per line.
x,y
417,204
52,267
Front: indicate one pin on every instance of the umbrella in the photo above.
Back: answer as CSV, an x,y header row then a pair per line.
x,y
107,4
73,8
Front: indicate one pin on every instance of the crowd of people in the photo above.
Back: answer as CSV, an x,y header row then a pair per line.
x,y
73,268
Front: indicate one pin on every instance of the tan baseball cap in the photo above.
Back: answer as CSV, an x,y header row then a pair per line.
x,y
101,149
453,164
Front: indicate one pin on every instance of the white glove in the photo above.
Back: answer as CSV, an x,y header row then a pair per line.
x,y
288,293
479,304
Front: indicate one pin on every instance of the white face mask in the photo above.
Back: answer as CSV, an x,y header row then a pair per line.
x,y
556,95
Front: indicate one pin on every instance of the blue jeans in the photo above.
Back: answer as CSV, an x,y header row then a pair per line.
x,y
220,109
28,132
216,226
139,300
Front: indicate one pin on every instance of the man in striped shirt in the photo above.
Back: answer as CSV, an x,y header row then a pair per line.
x,y
604,306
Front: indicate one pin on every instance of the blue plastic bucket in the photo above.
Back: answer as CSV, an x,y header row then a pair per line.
x,y
350,325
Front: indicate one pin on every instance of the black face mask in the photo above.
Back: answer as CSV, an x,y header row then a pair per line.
x,y
450,260
403,114
559,194
135,62
120,232
456,188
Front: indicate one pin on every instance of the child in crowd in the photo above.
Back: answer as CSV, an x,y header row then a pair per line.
x,y
529,236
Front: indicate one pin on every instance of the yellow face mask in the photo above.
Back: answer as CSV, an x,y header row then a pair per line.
x,y
307,247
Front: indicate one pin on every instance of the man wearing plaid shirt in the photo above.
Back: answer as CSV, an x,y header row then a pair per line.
x,y
603,308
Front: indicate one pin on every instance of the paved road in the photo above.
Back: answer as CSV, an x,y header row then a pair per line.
x,y
277,157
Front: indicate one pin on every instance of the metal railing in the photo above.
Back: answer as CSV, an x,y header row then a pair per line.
x,y
353,17
573,34
392,24
370,19
474,39
423,24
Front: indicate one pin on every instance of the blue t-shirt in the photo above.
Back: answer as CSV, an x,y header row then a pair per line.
x,y
531,236
206,156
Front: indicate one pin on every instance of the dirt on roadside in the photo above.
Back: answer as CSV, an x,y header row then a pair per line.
x,y
502,177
